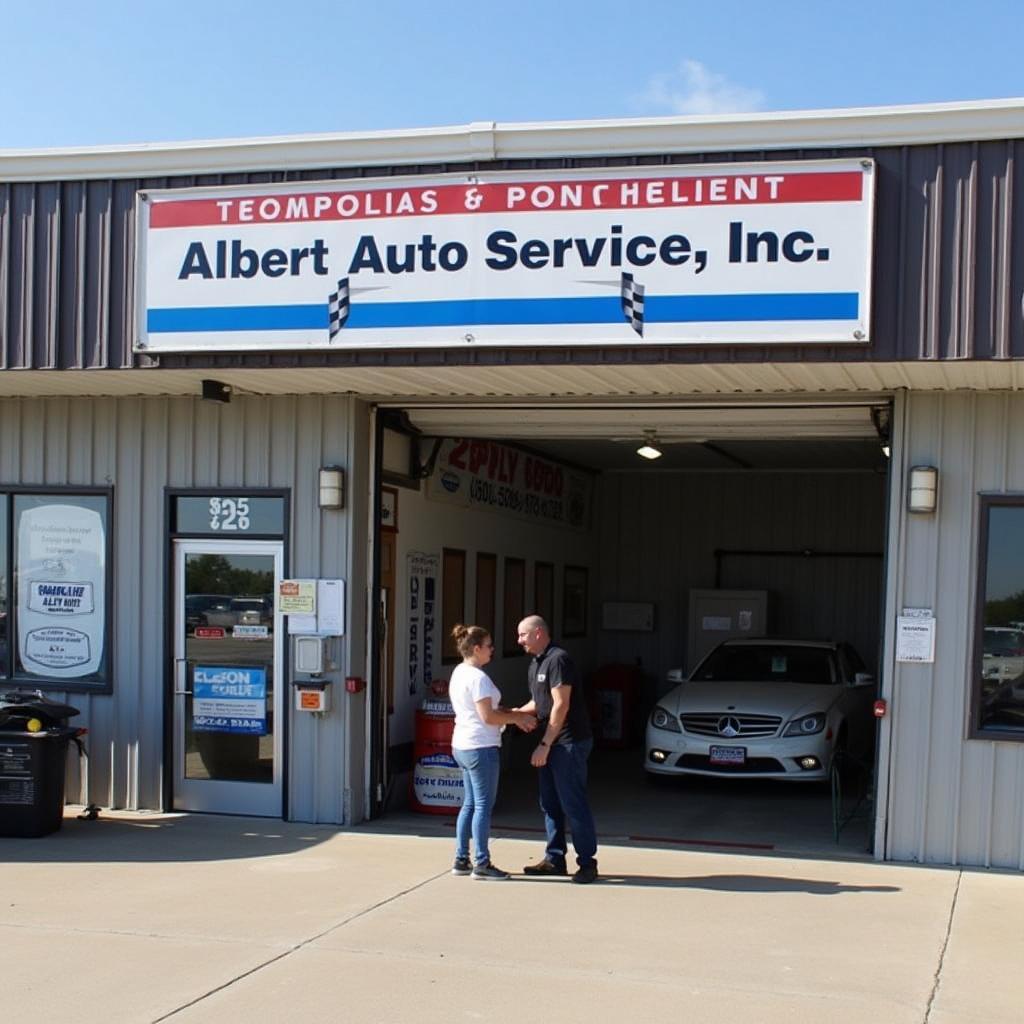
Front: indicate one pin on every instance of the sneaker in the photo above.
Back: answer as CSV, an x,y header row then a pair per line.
x,y
489,873
546,867
586,874
462,866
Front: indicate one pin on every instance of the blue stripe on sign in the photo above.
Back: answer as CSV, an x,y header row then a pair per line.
x,y
237,318
663,309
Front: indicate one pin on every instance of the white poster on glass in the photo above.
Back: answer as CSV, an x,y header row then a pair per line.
x,y
61,563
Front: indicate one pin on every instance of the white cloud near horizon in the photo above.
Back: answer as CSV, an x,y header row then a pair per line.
x,y
694,88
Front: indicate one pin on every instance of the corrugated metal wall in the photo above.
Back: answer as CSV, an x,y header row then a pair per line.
x,y
952,800
949,269
141,446
659,532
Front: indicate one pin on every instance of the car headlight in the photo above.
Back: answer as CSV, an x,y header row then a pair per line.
x,y
806,726
662,719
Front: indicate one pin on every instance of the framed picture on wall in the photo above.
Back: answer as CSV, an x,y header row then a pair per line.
x,y
453,601
513,606
574,601
389,509
544,593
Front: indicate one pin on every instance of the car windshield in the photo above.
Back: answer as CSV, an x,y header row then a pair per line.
x,y
775,663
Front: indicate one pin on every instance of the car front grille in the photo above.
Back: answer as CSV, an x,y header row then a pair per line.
x,y
748,725
752,765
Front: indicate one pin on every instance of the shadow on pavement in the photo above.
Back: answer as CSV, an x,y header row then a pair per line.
x,y
157,838
744,883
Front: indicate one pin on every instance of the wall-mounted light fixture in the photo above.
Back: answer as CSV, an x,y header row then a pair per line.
x,y
332,487
649,449
923,489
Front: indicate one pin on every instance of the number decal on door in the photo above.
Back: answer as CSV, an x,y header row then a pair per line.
x,y
229,515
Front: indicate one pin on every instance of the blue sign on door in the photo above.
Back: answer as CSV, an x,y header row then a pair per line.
x,y
228,698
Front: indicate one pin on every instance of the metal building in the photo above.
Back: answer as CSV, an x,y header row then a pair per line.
x,y
107,442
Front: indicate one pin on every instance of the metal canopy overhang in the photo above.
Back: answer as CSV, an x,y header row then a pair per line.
x,y
626,381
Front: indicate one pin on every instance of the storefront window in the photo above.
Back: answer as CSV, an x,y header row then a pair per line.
x,y
999,645
4,604
54,616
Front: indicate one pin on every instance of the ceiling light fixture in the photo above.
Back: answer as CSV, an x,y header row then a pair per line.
x,y
649,449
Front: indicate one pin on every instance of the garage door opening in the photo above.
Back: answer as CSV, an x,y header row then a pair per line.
x,y
762,526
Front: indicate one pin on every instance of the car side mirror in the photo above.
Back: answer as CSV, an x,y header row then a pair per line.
x,y
863,679
676,675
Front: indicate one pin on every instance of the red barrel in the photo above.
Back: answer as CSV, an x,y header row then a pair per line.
x,y
436,786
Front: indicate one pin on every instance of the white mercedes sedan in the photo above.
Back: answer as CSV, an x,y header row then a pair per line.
x,y
764,708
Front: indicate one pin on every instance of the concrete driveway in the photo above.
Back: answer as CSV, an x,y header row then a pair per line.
x,y
189,918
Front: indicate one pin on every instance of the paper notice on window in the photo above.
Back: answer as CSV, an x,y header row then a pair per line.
x,y
915,638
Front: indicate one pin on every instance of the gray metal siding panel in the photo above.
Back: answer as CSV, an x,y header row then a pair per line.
x,y
140,446
659,534
949,269
951,799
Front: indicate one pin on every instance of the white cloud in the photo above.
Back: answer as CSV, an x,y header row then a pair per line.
x,y
694,89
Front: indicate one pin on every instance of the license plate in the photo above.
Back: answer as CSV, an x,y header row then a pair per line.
x,y
727,755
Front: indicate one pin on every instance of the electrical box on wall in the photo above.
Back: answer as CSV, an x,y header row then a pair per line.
x,y
310,655
313,696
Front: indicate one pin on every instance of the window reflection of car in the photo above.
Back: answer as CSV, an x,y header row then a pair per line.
x,y
208,610
1002,678
252,611
1002,655
1002,704
764,708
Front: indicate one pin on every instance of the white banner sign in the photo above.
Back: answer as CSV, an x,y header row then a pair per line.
x,y
496,476
424,611
698,254
61,588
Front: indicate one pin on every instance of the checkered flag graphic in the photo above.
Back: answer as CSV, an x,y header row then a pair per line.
x,y
337,308
633,303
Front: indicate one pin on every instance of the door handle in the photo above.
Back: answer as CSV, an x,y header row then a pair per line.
x,y
179,664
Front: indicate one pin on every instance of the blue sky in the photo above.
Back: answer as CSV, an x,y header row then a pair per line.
x,y
111,71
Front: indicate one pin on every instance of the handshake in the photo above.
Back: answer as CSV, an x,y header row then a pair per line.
x,y
526,721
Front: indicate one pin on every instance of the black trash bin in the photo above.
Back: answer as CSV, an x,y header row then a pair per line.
x,y
34,738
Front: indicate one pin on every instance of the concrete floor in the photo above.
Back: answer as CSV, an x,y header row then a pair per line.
x,y
630,806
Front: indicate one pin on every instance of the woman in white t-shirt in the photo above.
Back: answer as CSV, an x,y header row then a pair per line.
x,y
476,746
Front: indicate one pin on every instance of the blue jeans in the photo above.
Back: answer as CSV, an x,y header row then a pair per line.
x,y
563,795
480,768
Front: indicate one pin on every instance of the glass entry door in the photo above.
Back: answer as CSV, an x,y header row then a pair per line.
x,y
228,693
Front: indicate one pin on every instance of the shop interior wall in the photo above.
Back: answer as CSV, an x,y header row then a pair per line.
x,y
952,800
659,533
426,525
140,446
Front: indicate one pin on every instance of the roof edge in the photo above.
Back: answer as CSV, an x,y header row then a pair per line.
x,y
924,124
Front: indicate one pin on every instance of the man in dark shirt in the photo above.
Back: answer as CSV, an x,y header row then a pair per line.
x,y
556,698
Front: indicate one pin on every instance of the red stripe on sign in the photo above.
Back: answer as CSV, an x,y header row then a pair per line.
x,y
512,197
